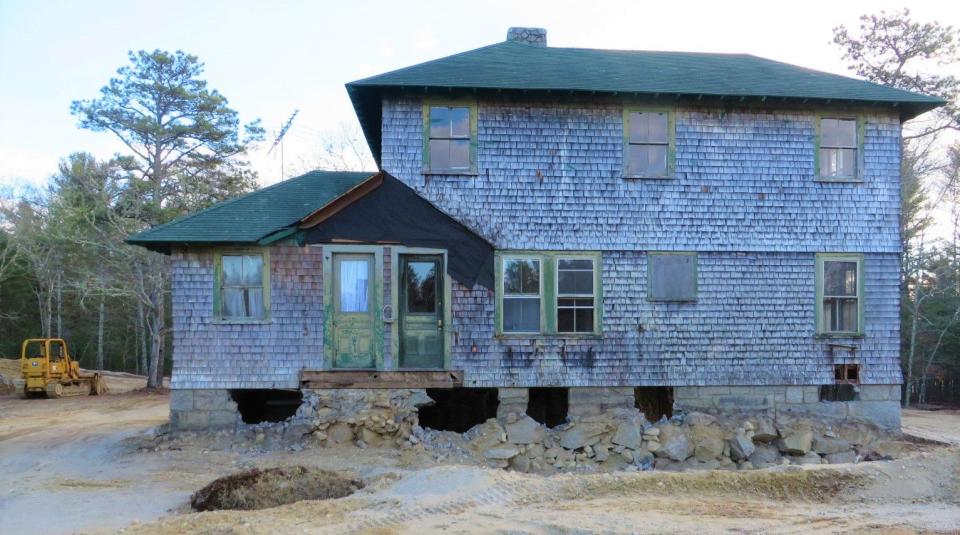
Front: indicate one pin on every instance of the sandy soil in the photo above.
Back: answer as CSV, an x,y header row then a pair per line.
x,y
82,455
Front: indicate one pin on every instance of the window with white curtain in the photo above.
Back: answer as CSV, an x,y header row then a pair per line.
x,y
241,286
354,281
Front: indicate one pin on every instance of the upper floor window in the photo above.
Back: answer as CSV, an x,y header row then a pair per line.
x,y
242,290
548,293
648,147
672,276
838,148
839,294
449,138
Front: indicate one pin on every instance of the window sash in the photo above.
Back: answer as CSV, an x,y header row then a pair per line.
x,y
648,138
519,297
838,157
840,314
449,139
577,302
242,294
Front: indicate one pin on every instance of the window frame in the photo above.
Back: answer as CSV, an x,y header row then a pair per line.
x,y
696,276
555,305
671,140
818,140
218,255
471,105
549,291
502,290
821,259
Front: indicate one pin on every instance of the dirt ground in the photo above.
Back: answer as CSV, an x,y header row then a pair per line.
x,y
82,455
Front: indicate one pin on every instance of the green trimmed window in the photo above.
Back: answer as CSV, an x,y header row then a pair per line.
x,y
551,293
839,294
450,137
648,143
242,285
672,277
838,148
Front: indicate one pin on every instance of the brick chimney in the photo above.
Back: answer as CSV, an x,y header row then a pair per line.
x,y
528,36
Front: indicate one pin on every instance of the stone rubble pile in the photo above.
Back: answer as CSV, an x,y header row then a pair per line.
x,y
617,439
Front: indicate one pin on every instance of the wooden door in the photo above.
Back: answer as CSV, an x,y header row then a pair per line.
x,y
353,311
421,311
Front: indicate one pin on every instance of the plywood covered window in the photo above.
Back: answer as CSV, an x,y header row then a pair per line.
x,y
450,137
839,294
672,277
242,285
839,147
648,147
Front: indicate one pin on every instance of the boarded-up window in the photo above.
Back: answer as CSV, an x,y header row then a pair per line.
x,y
521,295
672,276
241,286
648,144
838,148
449,139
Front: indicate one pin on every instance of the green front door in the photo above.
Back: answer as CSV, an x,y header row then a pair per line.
x,y
421,311
353,311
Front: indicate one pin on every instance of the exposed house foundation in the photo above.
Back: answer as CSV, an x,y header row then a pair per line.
x,y
392,413
878,404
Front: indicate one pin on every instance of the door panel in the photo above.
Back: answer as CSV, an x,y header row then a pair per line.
x,y
353,311
421,311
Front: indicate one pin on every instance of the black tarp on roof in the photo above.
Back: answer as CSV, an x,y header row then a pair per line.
x,y
395,213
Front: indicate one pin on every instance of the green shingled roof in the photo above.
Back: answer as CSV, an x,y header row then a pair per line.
x,y
517,66
254,216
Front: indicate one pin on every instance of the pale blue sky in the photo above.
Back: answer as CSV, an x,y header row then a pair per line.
x,y
270,58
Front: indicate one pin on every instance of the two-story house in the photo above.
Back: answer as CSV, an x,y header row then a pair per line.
x,y
567,227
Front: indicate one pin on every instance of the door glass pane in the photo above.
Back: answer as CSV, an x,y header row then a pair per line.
x,y
839,279
460,122
521,314
439,121
421,279
354,275
232,270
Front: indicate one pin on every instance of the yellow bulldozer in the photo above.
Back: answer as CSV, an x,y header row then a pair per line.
x,y
48,370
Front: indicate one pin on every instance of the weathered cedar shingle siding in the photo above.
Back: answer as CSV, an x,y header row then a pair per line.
x,y
752,324
207,354
550,177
